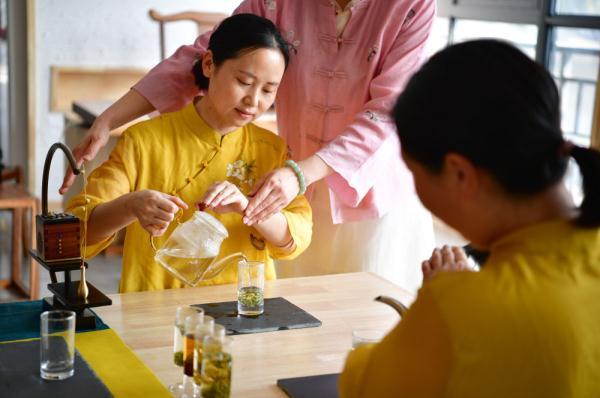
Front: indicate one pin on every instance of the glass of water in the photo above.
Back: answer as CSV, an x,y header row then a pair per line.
x,y
251,286
366,336
57,344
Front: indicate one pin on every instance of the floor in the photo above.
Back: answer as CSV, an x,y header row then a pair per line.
x,y
104,271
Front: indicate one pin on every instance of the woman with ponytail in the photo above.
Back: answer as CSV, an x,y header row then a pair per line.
x,y
479,127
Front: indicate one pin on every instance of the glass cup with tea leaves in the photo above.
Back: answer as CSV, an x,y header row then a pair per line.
x,y
217,331
181,314
251,285
186,389
216,367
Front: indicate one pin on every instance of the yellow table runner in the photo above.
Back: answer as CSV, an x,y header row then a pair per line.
x,y
123,373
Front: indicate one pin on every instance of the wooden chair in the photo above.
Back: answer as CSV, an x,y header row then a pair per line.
x,y
205,21
16,174
14,197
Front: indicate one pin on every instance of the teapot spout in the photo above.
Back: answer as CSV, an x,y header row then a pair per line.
x,y
216,267
400,308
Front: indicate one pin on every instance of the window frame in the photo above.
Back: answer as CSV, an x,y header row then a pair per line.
x,y
533,12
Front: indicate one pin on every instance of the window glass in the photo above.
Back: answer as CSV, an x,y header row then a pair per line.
x,y
438,38
577,7
522,36
574,63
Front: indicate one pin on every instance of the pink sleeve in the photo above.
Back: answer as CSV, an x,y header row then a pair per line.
x,y
170,85
351,154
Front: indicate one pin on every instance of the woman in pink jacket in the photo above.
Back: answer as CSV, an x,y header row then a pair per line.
x,y
350,60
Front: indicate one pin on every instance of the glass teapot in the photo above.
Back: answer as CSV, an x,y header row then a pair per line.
x,y
190,252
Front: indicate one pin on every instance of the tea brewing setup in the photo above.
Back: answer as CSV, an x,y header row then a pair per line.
x,y
59,249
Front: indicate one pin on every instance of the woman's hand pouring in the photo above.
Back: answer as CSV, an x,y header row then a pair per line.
x,y
154,210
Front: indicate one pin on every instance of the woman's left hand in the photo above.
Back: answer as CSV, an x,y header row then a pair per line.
x,y
273,192
446,259
224,197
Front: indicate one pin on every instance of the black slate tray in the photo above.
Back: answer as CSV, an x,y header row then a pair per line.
x,y
321,386
279,314
20,375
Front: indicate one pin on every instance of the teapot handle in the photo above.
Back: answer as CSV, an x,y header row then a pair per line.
x,y
216,267
176,219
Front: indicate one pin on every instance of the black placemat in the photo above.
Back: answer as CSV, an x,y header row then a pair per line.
x,y
321,386
279,314
21,320
20,375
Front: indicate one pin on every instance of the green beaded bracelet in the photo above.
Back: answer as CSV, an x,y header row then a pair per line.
x,y
299,175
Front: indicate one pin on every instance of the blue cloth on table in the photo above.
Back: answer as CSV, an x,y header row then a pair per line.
x,y
21,320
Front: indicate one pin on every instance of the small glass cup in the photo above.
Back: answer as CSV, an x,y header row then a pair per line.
x,y
181,314
215,330
191,322
179,330
366,336
251,286
216,367
57,344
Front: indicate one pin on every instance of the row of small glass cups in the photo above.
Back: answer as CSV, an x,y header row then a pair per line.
x,y
201,348
198,340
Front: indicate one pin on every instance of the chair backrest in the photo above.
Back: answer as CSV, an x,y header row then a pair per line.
x,y
204,20
12,173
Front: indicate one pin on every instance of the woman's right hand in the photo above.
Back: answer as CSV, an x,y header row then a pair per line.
x,y
127,108
87,150
154,210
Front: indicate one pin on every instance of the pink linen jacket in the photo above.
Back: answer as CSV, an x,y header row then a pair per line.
x,y
336,95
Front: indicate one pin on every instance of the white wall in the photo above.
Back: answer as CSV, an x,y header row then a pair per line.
x,y
99,33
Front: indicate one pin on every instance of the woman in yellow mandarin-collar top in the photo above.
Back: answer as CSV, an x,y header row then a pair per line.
x,y
480,130
180,156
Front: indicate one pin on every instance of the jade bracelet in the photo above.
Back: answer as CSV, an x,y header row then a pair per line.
x,y
299,175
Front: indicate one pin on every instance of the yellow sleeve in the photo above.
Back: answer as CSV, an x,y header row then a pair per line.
x,y
413,360
114,178
299,219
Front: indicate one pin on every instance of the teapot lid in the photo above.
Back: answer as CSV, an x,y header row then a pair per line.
x,y
213,222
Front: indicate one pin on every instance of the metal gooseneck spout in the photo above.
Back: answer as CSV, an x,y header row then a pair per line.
x,y
72,162
400,308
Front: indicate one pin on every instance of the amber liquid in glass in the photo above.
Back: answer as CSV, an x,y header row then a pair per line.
x,y
188,355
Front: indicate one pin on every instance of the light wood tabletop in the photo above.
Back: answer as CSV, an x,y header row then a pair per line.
x,y
342,302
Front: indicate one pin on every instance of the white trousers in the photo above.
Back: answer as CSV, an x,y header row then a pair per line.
x,y
392,246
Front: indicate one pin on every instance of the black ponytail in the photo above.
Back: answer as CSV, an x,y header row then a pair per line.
x,y
238,34
588,161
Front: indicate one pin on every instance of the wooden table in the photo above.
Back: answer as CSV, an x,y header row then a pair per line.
x,y
342,302
16,198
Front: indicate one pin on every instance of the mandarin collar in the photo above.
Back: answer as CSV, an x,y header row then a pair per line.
x,y
200,128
